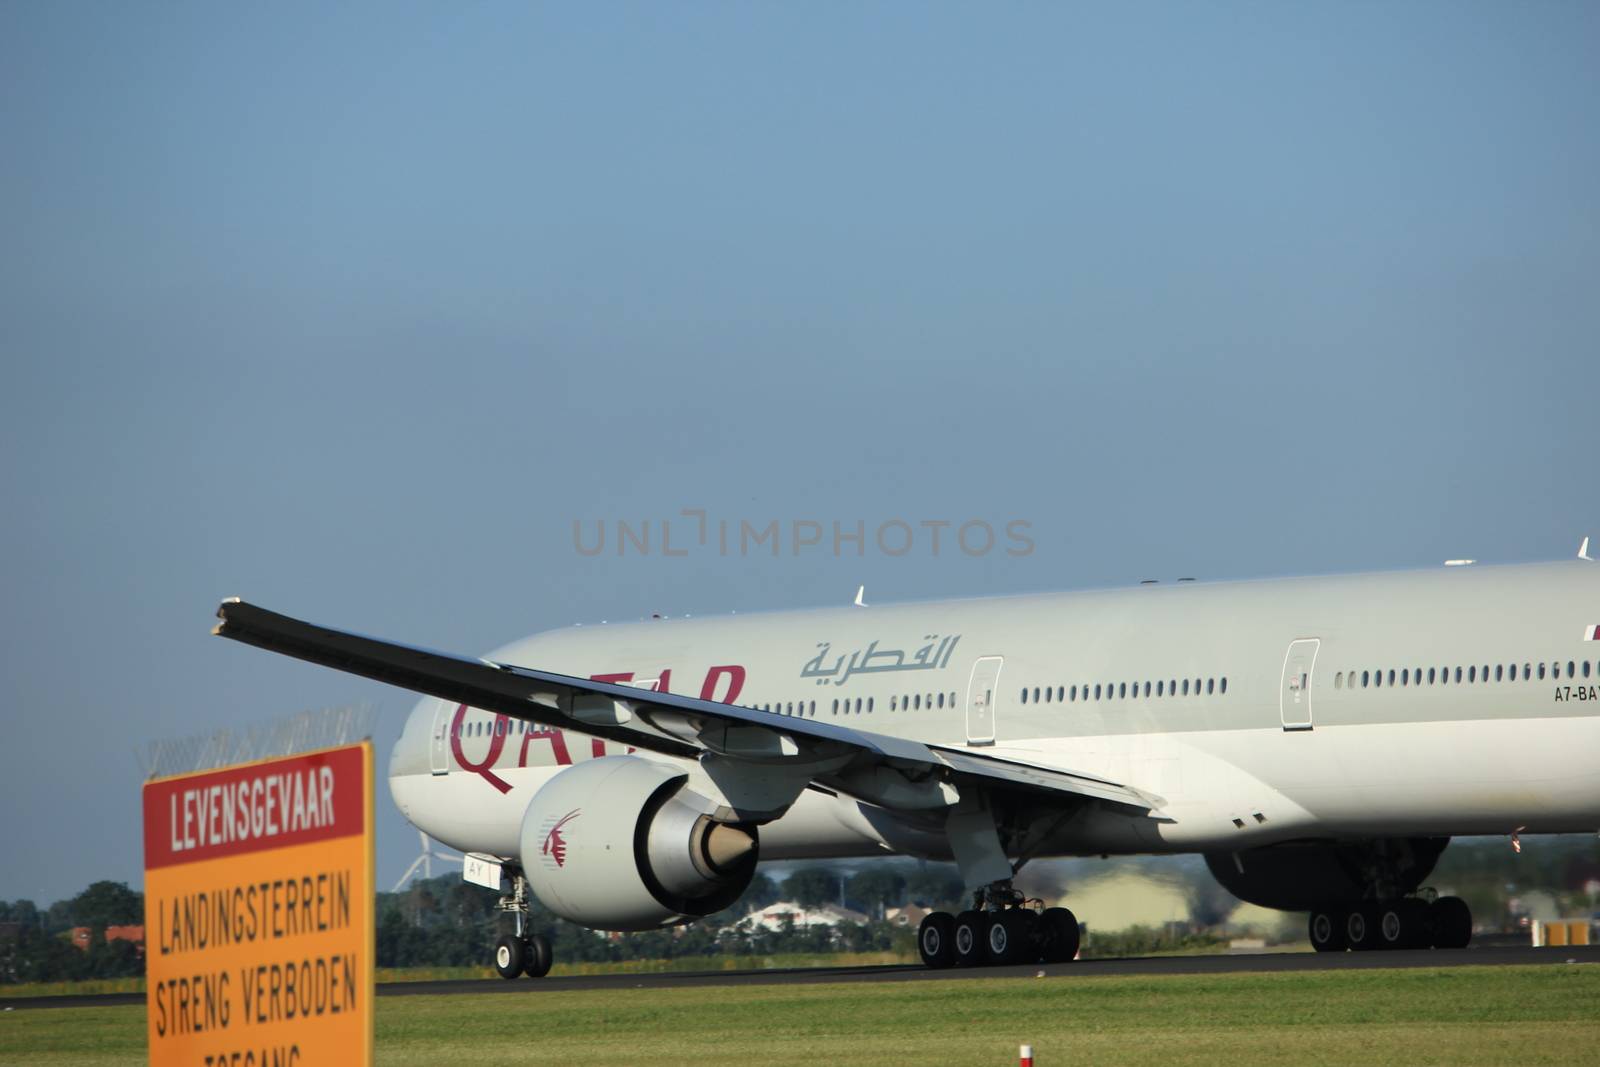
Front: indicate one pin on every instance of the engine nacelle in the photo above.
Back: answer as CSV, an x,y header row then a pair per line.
x,y
1300,876
618,843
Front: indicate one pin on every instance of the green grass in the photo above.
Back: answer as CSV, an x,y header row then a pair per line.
x,y
88,987
1457,1015
459,974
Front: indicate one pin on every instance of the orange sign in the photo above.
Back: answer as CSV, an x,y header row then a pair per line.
x,y
258,905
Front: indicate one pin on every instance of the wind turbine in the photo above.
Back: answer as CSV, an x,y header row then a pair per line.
x,y
424,862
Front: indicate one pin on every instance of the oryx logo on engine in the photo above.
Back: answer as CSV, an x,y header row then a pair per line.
x,y
555,845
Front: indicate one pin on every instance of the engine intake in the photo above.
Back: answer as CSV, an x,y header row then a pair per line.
x,y
619,843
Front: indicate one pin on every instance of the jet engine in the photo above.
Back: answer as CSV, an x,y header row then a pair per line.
x,y
1306,875
619,843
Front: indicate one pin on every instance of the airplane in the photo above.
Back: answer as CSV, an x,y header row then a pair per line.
x,y
1318,740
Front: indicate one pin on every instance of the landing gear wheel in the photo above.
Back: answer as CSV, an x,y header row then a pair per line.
x,y
537,965
1327,932
1009,937
510,955
1058,935
969,938
936,942
1451,920
1361,928
1403,924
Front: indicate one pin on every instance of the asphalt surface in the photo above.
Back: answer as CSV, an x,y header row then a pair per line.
x,y
1264,962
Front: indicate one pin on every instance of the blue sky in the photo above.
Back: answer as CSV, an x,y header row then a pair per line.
x,y
354,310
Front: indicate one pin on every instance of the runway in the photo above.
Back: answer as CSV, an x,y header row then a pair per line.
x,y
1263,962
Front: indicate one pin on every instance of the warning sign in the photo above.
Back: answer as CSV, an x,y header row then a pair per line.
x,y
259,913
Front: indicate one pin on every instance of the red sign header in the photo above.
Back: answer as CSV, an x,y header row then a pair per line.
x,y
268,805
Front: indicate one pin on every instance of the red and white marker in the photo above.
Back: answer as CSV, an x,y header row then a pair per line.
x,y
1026,1055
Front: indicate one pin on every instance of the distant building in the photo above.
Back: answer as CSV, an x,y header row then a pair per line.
x,y
132,933
910,915
775,916
1123,899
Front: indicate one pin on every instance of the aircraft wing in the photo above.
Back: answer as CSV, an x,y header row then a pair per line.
x,y
847,760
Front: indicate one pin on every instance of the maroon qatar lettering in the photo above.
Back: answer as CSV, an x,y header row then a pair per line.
x,y
730,677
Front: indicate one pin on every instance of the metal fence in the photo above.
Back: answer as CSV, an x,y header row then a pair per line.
x,y
303,732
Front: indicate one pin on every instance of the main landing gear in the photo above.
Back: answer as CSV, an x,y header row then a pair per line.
x,y
1413,922
520,953
1002,927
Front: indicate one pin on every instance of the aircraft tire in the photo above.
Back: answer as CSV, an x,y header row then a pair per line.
x,y
1361,928
1451,921
936,942
1403,924
1327,931
510,955
1058,935
1009,936
969,940
539,957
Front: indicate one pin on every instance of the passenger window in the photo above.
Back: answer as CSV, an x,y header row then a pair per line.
x,y
1338,680
1211,686
941,700
1570,672
1097,691
1024,696
1186,687
1224,684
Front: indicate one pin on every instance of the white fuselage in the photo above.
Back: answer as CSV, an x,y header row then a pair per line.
x,y
1437,703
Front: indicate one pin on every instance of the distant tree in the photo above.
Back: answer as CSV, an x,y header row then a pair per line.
x,y
19,911
1209,902
875,887
811,886
58,917
936,886
758,894
107,904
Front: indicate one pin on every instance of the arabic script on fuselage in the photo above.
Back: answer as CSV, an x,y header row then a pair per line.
x,y
932,656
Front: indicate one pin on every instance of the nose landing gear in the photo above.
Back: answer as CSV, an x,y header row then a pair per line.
x,y
520,952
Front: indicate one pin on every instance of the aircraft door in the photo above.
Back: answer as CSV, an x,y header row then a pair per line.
x,y
983,692
1294,697
439,739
